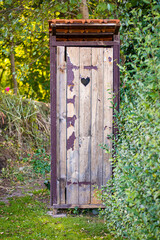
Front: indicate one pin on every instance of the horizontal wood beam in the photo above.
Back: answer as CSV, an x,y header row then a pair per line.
x,y
85,34
86,43
77,25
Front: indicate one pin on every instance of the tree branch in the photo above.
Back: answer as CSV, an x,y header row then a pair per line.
x,y
84,9
13,68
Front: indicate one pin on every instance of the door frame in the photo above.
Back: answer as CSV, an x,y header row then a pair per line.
x,y
115,44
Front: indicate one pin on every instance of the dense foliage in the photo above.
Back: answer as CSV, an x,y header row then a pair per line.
x,y
132,196
24,34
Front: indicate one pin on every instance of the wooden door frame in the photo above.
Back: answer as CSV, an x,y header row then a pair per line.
x,y
53,97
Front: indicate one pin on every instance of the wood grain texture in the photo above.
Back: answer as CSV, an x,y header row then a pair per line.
x,y
58,142
53,92
97,121
72,124
108,110
61,79
116,81
85,128
82,206
86,43
84,120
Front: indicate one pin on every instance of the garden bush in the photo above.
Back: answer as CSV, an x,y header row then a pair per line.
x,y
24,128
25,120
132,196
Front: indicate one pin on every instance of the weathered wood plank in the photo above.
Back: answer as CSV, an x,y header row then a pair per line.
x,y
72,124
82,206
97,122
61,78
85,127
58,142
53,83
108,111
85,121
86,43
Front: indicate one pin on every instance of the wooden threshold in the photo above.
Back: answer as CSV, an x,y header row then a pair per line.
x,y
85,206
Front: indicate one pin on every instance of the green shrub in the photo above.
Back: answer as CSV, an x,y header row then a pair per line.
x,y
132,196
41,162
25,120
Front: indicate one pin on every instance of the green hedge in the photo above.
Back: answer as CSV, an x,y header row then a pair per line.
x,y
132,196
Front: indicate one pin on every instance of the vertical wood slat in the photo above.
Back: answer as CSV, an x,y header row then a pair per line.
x,y
97,121
85,128
53,83
108,109
116,58
72,124
58,142
61,79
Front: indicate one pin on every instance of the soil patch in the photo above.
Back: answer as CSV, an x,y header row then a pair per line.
x,y
9,189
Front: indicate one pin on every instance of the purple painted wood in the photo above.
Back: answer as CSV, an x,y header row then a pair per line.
x,y
116,81
53,86
86,43
116,86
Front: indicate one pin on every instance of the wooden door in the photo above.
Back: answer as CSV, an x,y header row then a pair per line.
x,y
84,121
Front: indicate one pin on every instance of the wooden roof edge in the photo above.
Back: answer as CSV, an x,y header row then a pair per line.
x,y
84,26
61,25
84,21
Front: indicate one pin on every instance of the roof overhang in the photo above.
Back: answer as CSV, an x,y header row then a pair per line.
x,y
84,29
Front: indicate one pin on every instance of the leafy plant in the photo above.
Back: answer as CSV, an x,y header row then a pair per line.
x,y
25,120
76,211
132,196
41,162
26,38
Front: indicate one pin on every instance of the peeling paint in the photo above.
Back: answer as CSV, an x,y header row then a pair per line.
x,y
70,73
110,59
71,100
70,141
91,67
71,121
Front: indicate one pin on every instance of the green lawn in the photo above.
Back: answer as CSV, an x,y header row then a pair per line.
x,y
26,218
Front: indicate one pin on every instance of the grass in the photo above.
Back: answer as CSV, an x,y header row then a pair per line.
x,y
26,218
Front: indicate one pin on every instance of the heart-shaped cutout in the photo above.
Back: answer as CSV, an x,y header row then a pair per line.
x,y
85,81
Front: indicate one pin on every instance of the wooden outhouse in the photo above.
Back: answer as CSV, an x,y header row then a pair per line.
x,y
84,78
